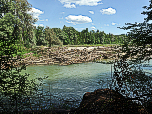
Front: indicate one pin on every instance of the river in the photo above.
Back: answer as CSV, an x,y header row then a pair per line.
x,y
71,82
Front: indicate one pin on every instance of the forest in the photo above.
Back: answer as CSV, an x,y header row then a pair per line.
x,y
70,36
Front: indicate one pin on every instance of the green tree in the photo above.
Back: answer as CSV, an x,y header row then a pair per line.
x,y
137,46
78,38
20,9
13,85
51,37
92,35
60,34
83,36
97,37
40,36
102,37
71,35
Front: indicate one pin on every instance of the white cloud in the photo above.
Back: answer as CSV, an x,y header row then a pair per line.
x,y
114,23
68,5
78,19
46,19
35,13
93,28
72,3
106,24
41,25
108,11
92,23
150,21
38,25
91,12
35,25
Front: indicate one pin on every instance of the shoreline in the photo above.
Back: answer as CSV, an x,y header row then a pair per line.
x,y
64,56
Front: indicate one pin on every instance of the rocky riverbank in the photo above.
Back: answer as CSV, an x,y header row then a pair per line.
x,y
101,101
106,101
68,55
65,56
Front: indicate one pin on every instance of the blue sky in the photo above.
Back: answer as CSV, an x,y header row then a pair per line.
x,y
104,15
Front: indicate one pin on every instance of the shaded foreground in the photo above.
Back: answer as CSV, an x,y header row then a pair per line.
x,y
101,101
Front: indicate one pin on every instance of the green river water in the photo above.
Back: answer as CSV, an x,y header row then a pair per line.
x,y
71,82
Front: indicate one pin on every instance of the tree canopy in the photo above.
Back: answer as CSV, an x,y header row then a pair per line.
x,y
137,47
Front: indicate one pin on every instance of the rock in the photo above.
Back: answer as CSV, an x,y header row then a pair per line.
x,y
99,102
65,55
105,57
41,63
50,63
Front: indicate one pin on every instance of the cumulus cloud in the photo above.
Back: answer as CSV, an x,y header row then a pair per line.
x,y
35,13
93,28
91,12
150,21
41,25
46,19
108,11
114,23
68,5
78,19
35,25
72,3
38,25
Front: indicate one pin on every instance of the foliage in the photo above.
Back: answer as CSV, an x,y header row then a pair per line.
x,y
51,37
19,9
13,85
135,47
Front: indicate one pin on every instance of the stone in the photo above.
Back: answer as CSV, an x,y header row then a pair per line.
x,y
106,101
41,63
105,57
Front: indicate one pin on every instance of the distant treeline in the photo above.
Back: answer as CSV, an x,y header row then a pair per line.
x,y
68,35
